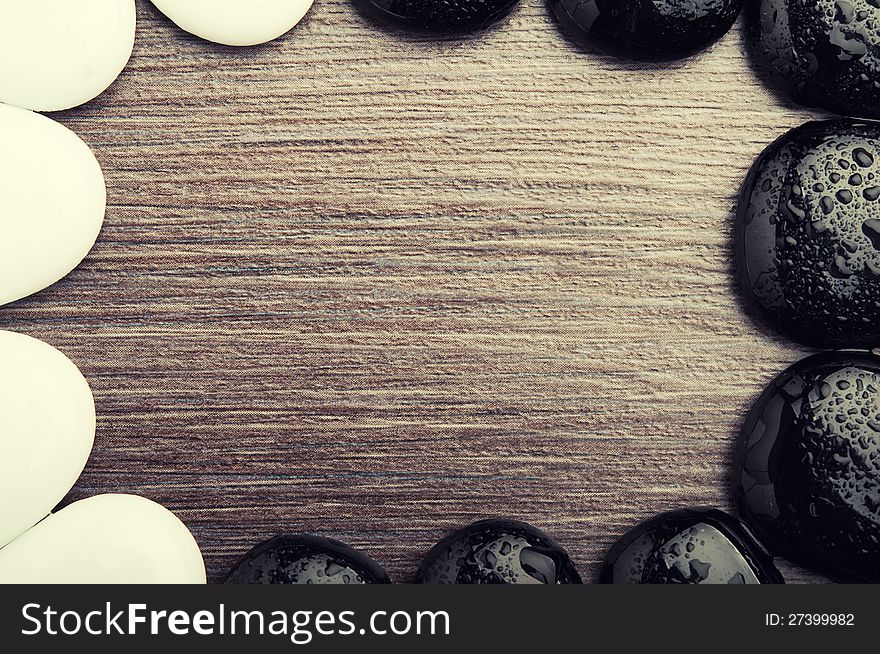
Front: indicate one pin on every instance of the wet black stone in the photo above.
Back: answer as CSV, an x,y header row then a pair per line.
x,y
689,546
306,560
652,30
808,465
823,53
440,15
497,552
807,234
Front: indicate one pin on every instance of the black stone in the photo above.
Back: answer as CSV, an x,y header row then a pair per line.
x,y
808,465
497,552
650,30
689,546
823,53
306,560
440,15
808,231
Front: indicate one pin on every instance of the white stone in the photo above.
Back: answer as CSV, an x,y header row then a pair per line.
x,y
58,54
234,22
52,202
107,539
47,427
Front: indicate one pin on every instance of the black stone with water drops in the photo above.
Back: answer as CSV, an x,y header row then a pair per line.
x,y
497,552
808,465
689,546
440,15
290,559
808,234
823,53
654,30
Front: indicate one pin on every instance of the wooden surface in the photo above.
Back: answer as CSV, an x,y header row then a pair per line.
x,y
376,286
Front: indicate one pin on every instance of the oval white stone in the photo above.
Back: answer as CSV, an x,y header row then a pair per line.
x,y
233,22
47,428
52,202
108,539
58,54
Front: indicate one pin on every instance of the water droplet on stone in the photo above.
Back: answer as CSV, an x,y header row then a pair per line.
x,y
299,559
718,549
810,259
808,465
497,552
658,30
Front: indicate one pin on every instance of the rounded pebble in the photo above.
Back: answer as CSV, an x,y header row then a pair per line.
x,y
290,559
497,552
440,15
58,54
808,465
47,429
823,53
808,234
52,201
107,539
652,30
689,546
234,22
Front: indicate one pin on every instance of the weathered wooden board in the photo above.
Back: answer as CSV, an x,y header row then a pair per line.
x,y
375,286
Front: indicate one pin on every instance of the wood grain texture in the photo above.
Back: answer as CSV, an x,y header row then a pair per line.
x,y
376,286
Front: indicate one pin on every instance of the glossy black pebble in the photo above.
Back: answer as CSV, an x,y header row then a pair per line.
x,y
808,234
650,30
689,546
306,560
808,465
823,53
497,552
440,15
